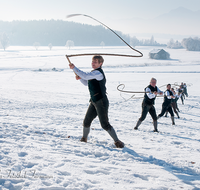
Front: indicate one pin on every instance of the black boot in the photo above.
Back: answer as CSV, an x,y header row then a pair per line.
x,y
155,125
137,125
172,118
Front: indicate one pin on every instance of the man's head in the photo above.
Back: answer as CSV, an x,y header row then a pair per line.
x,y
153,82
97,61
168,86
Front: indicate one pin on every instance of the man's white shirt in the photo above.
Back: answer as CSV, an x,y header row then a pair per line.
x,y
85,76
150,94
168,94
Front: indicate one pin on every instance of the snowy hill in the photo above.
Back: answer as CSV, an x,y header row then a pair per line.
x,y
181,13
180,21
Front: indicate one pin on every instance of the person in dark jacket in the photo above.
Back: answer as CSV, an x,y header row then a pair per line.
x,y
181,94
185,89
151,92
166,106
96,82
174,103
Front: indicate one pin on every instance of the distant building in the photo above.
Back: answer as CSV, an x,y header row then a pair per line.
x,y
159,54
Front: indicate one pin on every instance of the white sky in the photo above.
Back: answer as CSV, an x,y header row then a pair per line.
x,y
105,11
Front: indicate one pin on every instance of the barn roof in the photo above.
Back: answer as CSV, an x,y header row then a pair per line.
x,y
156,50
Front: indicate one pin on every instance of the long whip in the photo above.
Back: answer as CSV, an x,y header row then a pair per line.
x,y
109,54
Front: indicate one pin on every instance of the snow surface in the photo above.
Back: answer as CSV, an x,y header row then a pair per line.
x,y
43,106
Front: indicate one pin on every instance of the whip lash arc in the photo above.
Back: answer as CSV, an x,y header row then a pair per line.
x,y
109,54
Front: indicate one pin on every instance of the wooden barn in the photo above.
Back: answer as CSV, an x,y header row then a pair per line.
x,y
159,54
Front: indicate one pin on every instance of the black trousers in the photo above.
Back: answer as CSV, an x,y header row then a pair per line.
x,y
182,98
166,108
148,108
100,109
175,108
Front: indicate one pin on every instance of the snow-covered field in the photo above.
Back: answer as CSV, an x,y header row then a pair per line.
x,y
42,107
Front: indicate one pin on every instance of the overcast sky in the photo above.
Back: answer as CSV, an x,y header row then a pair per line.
x,y
103,10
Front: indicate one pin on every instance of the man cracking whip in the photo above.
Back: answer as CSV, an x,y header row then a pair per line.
x,y
96,81
151,92
174,103
166,106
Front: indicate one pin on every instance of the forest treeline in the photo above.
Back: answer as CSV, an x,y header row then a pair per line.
x,y
58,32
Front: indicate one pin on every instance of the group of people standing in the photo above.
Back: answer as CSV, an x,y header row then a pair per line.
x,y
96,81
169,103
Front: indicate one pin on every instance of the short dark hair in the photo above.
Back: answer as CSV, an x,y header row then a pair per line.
x,y
99,58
